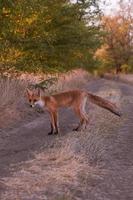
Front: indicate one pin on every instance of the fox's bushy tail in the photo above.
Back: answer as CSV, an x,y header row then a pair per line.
x,y
104,104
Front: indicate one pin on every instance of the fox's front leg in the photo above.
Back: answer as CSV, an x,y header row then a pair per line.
x,y
51,131
54,123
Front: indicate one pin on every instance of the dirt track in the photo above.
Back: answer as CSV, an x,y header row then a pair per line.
x,y
114,178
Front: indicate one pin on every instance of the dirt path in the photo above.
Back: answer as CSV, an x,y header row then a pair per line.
x,y
111,174
118,182
19,143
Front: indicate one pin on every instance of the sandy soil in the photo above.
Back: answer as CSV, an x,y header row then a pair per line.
x,y
96,164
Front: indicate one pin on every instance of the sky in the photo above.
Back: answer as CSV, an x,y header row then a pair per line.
x,y
110,6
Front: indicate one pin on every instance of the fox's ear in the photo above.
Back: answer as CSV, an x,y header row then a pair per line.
x,y
39,92
29,92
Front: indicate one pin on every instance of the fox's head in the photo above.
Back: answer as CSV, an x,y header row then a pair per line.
x,y
34,98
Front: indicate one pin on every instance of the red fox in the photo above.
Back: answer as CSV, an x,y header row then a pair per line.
x,y
75,99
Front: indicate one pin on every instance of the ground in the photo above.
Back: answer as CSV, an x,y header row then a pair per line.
x,y
96,164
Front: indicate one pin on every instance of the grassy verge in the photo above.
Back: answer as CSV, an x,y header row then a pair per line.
x,y
12,105
13,102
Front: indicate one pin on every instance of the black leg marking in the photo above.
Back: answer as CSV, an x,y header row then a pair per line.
x,y
51,132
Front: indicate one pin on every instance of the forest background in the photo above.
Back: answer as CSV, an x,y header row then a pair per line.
x,y
57,36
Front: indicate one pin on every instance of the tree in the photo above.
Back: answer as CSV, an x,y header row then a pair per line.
x,y
119,37
48,35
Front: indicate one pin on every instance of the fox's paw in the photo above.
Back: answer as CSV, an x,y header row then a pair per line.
x,y
50,133
76,129
56,132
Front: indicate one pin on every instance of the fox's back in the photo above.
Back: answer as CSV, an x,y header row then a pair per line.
x,y
68,98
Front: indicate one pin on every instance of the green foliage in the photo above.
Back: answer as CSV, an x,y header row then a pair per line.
x,y
48,35
46,84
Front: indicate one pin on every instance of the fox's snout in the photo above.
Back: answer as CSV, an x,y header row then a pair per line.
x,y
32,106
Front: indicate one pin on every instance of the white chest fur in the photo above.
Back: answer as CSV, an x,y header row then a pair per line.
x,y
40,103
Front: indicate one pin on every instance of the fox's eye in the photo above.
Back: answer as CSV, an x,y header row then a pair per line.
x,y
34,100
30,100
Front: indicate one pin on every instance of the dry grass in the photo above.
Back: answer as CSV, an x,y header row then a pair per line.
x,y
51,169
71,80
11,91
13,99
67,171
76,79
57,173
70,168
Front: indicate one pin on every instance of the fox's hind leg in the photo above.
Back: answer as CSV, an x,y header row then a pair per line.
x,y
83,120
80,112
